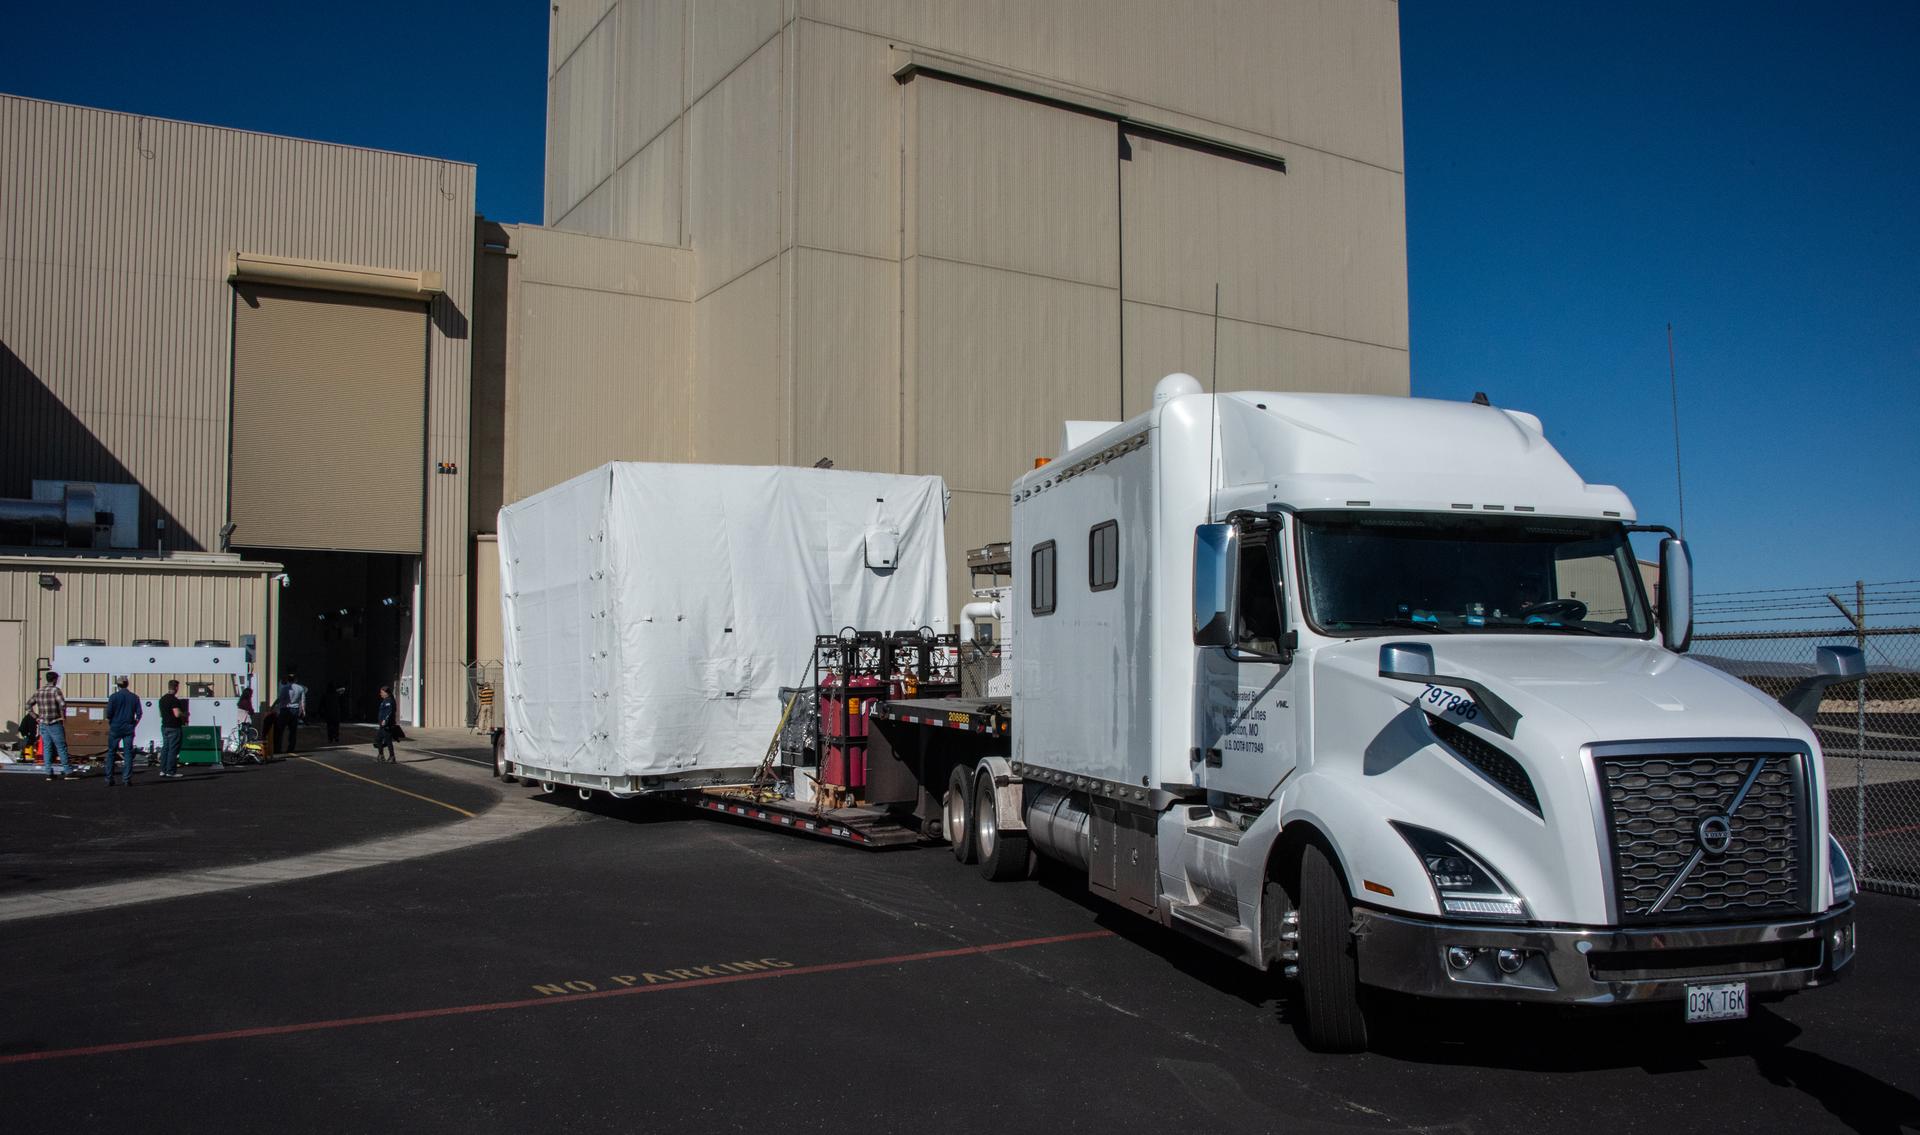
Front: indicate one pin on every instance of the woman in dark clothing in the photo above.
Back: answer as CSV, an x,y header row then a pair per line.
x,y
384,720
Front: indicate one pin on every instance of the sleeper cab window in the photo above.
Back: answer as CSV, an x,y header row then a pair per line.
x,y
1043,578
1103,556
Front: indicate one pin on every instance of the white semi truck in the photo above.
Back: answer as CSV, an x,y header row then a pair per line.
x,y
1370,692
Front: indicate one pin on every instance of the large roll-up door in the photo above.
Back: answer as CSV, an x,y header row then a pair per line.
x,y
329,420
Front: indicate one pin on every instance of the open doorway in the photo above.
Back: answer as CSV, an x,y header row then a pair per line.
x,y
347,621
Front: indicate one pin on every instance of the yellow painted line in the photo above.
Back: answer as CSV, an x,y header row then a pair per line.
x,y
388,787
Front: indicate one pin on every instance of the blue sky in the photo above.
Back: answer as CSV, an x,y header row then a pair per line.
x,y
1576,180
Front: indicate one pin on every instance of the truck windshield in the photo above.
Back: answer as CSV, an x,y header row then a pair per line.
x,y
1474,574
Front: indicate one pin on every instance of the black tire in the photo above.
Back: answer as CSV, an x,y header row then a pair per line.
x,y
1330,992
1003,855
956,810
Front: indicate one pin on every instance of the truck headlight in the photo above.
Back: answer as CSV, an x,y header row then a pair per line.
x,y
1840,871
1462,881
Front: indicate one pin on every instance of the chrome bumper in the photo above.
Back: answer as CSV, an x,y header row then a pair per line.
x,y
1601,965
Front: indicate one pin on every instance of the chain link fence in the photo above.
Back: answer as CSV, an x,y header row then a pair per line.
x,y
1869,730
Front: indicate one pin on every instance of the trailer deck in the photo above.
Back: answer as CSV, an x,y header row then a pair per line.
x,y
990,716
862,827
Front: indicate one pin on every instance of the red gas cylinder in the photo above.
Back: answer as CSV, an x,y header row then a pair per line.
x,y
845,729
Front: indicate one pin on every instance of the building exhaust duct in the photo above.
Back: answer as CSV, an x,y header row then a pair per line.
x,y
73,521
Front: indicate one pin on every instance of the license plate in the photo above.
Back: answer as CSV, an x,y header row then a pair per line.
x,y
1726,1002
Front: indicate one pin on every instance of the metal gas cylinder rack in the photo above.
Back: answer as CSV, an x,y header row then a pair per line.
x,y
854,671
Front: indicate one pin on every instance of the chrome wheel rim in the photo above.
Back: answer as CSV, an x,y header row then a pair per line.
x,y
955,819
986,827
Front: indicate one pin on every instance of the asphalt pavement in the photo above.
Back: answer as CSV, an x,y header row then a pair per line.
x,y
81,831
642,968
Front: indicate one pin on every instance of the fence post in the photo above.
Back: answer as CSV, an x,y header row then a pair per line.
x,y
1860,730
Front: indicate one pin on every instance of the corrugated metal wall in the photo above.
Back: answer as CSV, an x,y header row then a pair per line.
x,y
928,276
120,601
598,357
116,319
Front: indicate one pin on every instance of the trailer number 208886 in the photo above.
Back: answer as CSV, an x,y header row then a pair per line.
x,y
1452,703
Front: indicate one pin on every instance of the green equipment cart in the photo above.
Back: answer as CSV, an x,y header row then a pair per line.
x,y
200,745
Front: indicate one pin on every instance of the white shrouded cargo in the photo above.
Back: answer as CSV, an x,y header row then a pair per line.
x,y
650,613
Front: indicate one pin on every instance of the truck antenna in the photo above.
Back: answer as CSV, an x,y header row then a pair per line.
x,y
1673,390
1213,404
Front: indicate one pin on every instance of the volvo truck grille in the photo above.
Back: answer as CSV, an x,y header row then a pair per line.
x,y
1706,836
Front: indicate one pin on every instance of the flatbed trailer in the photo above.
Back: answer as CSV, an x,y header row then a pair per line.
x,y
910,751
913,745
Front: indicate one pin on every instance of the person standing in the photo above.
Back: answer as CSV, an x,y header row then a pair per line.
x,y
288,710
483,693
49,705
174,712
336,703
384,718
123,713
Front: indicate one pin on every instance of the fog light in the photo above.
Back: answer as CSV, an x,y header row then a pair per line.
x,y
1461,957
1509,961
1841,942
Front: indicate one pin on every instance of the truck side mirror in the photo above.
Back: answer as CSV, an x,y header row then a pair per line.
x,y
1215,554
1839,663
1831,665
1676,595
1406,660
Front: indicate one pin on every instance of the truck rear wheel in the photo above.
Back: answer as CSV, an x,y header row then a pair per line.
x,y
1003,855
1329,975
957,813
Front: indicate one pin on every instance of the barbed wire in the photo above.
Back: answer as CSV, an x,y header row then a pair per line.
x,y
1848,586
1845,628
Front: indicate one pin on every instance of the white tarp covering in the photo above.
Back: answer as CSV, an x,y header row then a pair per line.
x,y
650,613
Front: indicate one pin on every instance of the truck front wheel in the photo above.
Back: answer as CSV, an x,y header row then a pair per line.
x,y
1330,990
957,814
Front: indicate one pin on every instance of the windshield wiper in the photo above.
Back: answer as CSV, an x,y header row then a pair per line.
x,y
1403,621
1574,627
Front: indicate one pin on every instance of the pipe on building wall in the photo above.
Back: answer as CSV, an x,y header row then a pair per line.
x,y
972,613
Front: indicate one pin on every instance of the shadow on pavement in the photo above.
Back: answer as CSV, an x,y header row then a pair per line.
x,y
634,810
1544,1039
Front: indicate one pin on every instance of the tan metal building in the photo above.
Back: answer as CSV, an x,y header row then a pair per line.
x,y
243,344
916,237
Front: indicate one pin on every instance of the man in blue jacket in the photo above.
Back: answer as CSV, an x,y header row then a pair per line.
x,y
123,713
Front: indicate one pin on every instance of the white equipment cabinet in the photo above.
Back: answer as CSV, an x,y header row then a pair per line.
x,y
227,668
